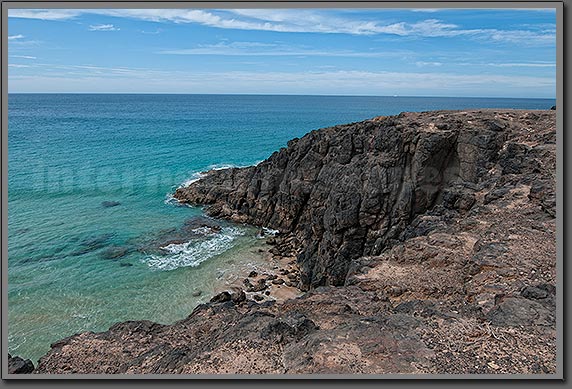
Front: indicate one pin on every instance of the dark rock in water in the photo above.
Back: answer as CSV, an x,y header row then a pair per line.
x,y
191,226
17,365
114,252
125,264
553,107
109,204
92,243
195,228
221,297
253,274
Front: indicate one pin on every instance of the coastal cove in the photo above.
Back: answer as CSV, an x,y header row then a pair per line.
x,y
95,236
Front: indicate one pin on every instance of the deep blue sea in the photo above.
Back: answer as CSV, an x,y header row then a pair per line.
x,y
76,263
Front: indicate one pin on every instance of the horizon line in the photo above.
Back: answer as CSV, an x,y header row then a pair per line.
x,y
275,94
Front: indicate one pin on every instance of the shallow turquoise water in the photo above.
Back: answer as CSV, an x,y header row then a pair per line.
x,y
69,153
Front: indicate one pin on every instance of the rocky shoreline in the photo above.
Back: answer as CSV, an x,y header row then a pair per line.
x,y
424,243
277,282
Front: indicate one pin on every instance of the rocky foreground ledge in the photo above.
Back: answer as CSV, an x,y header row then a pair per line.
x,y
425,242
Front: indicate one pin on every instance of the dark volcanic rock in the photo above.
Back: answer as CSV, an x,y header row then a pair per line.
x,y
293,324
538,292
17,365
520,312
351,190
221,297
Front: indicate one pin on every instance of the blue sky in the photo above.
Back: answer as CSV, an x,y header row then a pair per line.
x,y
408,52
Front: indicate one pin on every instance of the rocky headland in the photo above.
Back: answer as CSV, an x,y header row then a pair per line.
x,y
419,243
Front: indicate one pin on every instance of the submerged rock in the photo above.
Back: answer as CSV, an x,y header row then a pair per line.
x,y
92,243
195,228
109,204
115,252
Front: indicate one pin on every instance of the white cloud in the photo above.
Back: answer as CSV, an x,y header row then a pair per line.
x,y
423,63
300,21
23,56
103,27
275,49
89,78
12,37
523,36
524,64
157,31
425,28
45,14
16,65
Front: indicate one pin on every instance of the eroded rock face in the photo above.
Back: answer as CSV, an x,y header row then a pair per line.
x,y
351,190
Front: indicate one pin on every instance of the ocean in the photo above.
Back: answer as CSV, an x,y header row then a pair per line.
x,y
94,237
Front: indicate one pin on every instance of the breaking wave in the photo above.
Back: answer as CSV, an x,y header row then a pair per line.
x,y
194,252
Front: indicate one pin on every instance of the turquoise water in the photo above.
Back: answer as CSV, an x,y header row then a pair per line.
x,y
77,265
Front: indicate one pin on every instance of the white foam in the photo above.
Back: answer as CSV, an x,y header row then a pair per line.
x,y
204,230
223,166
193,253
170,200
194,178
267,232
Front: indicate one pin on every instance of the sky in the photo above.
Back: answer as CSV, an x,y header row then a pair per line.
x,y
383,52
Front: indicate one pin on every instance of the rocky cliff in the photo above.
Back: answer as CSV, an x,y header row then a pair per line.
x,y
426,240
353,190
